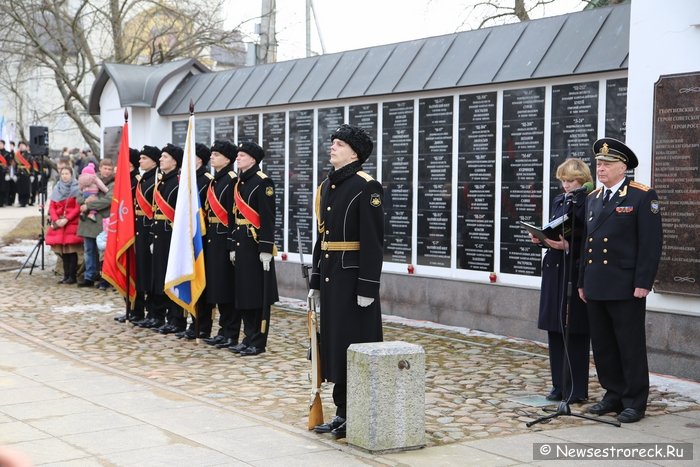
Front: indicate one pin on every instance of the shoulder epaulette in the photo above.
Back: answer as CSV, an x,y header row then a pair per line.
x,y
261,174
595,192
232,174
138,177
365,175
209,175
639,186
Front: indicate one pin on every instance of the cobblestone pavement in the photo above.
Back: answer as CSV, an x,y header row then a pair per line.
x,y
477,386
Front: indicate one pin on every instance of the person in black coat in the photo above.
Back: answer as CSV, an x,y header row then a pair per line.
x,y
203,309
5,162
253,248
24,174
347,262
220,220
559,268
144,210
618,265
137,314
165,199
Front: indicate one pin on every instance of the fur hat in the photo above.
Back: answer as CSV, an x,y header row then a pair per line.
x,y
134,155
88,169
357,138
225,148
203,152
252,149
175,151
152,153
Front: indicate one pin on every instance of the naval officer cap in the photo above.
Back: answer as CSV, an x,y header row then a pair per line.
x,y
612,150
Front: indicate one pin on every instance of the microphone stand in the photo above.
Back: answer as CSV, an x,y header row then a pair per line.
x,y
39,246
563,408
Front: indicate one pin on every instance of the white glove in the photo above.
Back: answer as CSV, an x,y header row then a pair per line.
x,y
38,177
265,258
31,178
7,177
14,178
314,297
364,301
232,257
151,247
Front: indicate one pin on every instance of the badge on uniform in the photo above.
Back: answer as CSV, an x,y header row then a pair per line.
x,y
269,191
624,209
375,200
655,206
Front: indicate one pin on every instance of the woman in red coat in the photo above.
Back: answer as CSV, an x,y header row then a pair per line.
x,y
64,213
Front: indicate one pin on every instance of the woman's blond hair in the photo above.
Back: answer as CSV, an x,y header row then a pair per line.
x,y
574,169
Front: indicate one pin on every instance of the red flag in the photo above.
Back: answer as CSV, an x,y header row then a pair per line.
x,y
119,252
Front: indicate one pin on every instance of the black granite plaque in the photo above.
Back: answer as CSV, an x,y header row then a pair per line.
x,y
273,136
574,127
521,183
397,179
476,192
676,179
328,120
224,128
365,117
616,108
435,117
301,177
179,132
202,131
248,128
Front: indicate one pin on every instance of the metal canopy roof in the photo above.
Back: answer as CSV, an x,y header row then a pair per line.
x,y
137,86
590,41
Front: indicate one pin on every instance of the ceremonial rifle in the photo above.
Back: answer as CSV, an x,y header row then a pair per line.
x,y
315,406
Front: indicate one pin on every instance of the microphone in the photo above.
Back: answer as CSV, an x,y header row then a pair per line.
x,y
586,188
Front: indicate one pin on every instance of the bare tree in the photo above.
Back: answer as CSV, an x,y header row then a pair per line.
x,y
494,12
63,43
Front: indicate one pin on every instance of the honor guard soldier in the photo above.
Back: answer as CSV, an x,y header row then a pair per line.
x,y
220,289
144,212
204,177
4,173
23,171
137,314
621,254
347,262
165,199
253,246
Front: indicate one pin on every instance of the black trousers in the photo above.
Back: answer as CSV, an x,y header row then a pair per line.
x,y
578,350
252,328
340,399
618,336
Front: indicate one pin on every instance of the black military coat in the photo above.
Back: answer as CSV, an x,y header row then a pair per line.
x,y
555,273
349,210
4,172
219,269
258,191
623,242
23,184
144,260
161,230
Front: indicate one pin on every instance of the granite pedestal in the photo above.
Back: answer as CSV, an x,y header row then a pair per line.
x,y
386,396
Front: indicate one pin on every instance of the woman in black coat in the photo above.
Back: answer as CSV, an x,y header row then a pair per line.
x,y
556,266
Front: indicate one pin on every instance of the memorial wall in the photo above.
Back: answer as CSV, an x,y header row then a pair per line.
x,y
459,171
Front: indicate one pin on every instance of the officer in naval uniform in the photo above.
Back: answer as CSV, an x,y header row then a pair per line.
x,y
220,290
144,216
165,199
347,261
253,246
619,261
203,311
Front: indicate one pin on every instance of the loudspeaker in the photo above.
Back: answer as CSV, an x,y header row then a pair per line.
x,y
39,140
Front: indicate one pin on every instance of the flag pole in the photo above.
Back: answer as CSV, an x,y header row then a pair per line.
x,y
197,324
128,259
